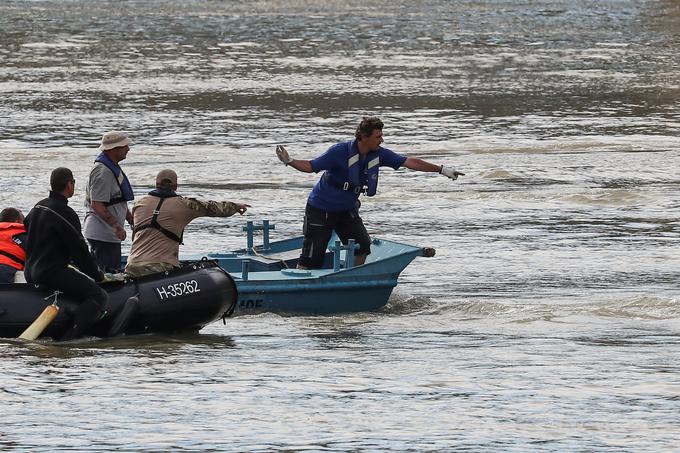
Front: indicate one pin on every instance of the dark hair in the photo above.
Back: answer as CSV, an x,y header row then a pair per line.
x,y
60,178
166,179
367,126
11,215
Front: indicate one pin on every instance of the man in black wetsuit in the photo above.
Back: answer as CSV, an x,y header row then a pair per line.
x,y
54,241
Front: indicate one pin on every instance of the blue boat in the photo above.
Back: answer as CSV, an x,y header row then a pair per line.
x,y
268,281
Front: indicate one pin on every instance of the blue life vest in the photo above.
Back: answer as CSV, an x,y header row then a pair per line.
x,y
121,179
354,168
372,170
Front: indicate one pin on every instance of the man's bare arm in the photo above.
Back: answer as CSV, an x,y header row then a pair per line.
x,y
99,208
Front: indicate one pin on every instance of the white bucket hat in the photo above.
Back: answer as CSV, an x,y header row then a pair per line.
x,y
114,139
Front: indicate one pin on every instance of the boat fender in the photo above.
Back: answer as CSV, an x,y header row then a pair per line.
x,y
43,320
124,316
40,324
428,252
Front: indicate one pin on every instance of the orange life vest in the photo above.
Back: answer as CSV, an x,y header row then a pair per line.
x,y
11,253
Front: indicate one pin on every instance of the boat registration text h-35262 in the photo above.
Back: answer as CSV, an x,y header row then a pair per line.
x,y
175,290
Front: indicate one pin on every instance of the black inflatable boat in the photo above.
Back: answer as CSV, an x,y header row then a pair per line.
x,y
181,300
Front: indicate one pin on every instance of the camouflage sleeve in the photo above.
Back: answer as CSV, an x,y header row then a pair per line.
x,y
209,208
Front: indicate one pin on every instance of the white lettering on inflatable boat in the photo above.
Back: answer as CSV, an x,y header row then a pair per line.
x,y
175,290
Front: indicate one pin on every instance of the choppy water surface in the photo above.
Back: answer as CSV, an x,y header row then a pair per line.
x,y
549,318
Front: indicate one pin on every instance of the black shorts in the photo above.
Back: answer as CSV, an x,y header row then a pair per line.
x,y
318,228
107,255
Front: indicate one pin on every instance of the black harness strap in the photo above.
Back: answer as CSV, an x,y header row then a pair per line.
x,y
12,257
154,224
116,200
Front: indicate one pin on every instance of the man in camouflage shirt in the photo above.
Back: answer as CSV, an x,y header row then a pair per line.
x,y
160,218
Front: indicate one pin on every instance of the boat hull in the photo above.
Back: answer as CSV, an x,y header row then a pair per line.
x,y
267,280
314,299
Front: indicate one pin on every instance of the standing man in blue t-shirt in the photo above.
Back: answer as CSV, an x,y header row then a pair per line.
x,y
350,169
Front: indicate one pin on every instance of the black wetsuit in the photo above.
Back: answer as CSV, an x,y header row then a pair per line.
x,y
54,241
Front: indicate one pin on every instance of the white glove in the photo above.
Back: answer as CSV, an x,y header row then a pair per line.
x,y
283,154
451,172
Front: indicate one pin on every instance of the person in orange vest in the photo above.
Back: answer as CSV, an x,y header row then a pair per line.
x,y
12,244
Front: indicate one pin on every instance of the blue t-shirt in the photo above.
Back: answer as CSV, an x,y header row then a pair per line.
x,y
334,161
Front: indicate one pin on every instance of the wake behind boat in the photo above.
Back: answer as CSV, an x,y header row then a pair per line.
x,y
186,299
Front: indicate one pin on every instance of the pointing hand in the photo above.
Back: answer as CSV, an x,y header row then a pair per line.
x,y
451,172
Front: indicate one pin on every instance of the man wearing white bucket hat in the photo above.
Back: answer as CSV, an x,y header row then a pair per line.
x,y
106,195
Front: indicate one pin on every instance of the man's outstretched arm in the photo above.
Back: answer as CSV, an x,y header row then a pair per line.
x,y
209,208
415,163
301,165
